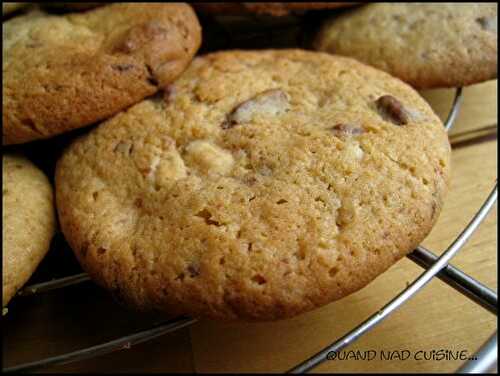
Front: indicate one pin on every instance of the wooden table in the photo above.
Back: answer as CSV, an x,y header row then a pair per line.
x,y
436,318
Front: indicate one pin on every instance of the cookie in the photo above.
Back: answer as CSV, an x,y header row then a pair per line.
x,y
261,185
273,9
8,8
426,45
28,222
65,72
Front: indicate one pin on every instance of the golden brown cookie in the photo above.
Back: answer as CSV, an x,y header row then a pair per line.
x,y
426,45
66,72
28,222
262,184
273,9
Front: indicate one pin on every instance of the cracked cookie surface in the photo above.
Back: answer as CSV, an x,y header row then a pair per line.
x,y
426,45
66,72
263,184
28,221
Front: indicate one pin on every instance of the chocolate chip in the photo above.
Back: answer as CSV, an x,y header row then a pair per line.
x,y
392,110
433,209
346,129
145,171
194,270
180,277
138,202
122,67
259,279
227,124
272,102
488,23
249,180
206,215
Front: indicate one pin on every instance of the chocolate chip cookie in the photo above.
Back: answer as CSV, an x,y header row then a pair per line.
x,y
28,222
66,72
260,185
426,45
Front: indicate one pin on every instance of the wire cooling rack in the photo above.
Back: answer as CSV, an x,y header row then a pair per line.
x,y
486,356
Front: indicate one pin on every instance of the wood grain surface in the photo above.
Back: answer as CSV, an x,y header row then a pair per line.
x,y
436,318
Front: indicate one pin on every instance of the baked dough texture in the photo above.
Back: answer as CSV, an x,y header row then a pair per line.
x,y
261,185
28,221
428,45
66,72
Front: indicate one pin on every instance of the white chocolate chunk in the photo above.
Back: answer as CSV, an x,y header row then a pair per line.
x,y
208,157
272,102
169,168
354,151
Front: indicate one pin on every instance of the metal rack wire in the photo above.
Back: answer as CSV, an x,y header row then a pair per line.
x,y
434,266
